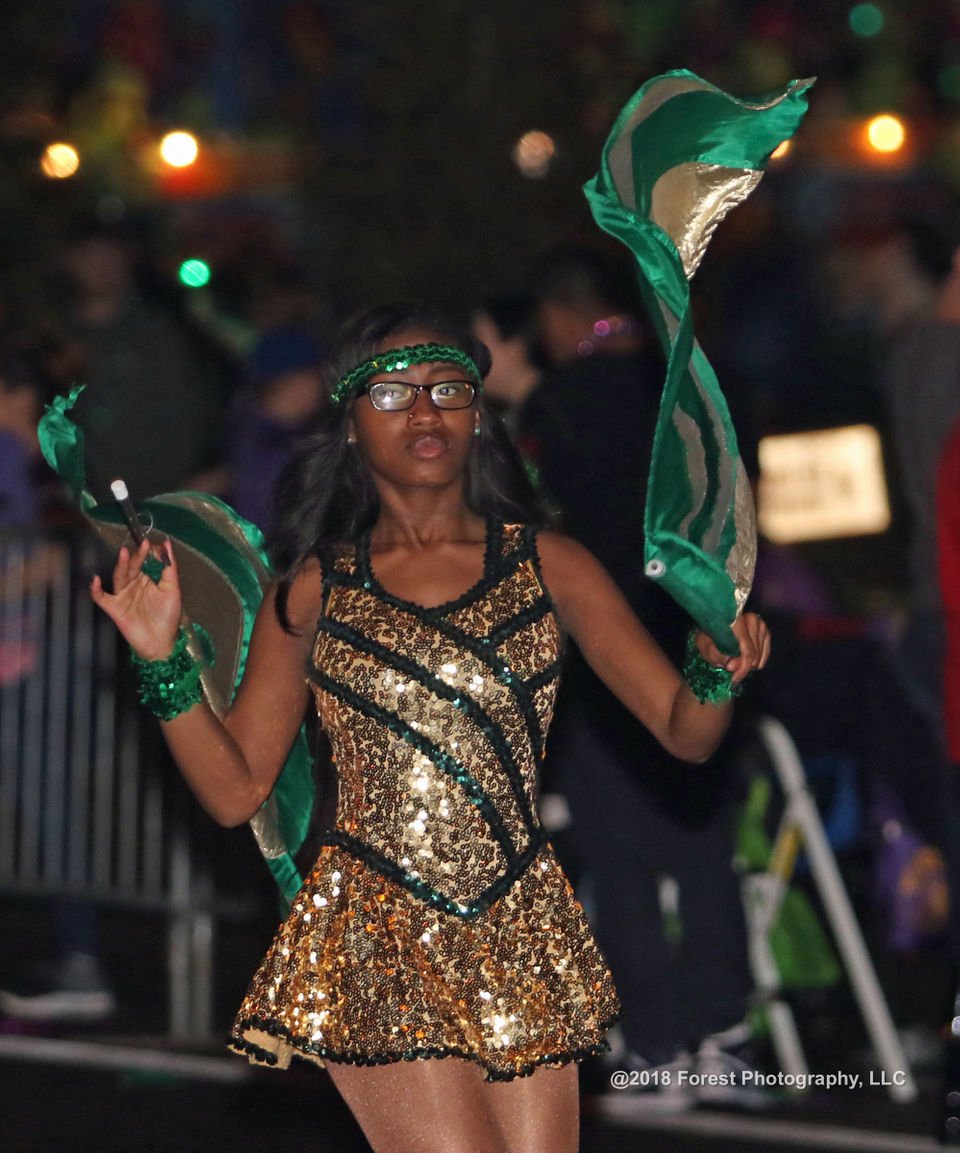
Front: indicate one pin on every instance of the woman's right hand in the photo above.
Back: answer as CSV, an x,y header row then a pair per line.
x,y
146,612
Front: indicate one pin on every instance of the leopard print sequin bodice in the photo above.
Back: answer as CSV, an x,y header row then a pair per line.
x,y
437,719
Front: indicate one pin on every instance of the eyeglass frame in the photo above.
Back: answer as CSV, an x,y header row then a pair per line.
x,y
417,389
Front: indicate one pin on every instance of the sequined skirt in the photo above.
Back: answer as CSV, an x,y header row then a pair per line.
x,y
364,972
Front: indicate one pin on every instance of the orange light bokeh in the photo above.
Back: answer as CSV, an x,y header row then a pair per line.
x,y
59,160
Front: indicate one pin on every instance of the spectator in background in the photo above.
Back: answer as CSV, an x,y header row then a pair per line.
x,y
22,562
72,985
32,496
149,412
505,325
948,541
647,827
280,404
948,526
19,452
921,388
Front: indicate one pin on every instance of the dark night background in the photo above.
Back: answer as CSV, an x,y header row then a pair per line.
x,y
364,151
361,150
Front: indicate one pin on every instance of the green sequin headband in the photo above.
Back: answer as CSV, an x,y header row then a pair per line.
x,y
397,359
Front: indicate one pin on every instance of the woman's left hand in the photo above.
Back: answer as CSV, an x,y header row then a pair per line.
x,y
753,637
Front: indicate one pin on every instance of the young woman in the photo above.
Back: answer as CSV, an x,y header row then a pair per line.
x,y
423,610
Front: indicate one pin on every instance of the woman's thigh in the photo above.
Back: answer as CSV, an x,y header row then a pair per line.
x,y
445,1106
539,1113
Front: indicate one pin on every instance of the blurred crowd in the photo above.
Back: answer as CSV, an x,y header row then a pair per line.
x,y
183,392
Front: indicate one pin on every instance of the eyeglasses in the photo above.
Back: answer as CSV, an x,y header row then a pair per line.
x,y
398,395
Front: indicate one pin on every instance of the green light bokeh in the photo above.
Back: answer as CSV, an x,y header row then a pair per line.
x,y
194,273
866,20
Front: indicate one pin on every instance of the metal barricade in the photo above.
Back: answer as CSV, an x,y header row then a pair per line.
x,y
82,813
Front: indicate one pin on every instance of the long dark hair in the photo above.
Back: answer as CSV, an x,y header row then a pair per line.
x,y
326,497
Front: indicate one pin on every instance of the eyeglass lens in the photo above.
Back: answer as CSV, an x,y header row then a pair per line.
x,y
396,395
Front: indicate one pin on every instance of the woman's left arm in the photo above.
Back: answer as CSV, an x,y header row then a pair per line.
x,y
620,650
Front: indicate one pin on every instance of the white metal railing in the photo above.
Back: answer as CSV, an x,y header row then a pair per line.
x,y
801,827
82,812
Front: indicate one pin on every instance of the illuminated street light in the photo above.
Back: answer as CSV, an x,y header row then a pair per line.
x,y
886,133
59,161
179,149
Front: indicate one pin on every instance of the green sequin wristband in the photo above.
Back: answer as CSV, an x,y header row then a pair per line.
x,y
707,683
172,686
396,360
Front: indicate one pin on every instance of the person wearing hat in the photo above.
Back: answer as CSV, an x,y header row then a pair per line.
x,y
277,407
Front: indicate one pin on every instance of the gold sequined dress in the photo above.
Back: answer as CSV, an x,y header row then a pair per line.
x,y
436,921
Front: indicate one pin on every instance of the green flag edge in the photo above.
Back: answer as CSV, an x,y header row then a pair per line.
x,y
240,561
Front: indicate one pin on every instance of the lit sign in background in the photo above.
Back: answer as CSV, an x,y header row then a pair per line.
x,y
821,485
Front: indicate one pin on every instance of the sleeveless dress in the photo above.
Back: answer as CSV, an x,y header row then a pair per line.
x,y
436,921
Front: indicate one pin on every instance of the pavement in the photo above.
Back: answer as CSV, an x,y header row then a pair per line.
x,y
125,1085
144,1095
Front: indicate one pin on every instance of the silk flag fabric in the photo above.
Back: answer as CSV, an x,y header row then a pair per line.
x,y
680,156
224,570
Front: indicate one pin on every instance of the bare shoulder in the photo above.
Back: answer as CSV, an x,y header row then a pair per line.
x,y
559,546
566,565
304,599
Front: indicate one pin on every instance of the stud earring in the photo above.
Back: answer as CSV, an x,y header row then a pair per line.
x,y
476,430
351,439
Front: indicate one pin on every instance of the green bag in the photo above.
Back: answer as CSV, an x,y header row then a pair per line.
x,y
804,955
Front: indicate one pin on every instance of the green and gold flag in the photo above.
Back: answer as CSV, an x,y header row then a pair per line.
x,y
681,154
224,570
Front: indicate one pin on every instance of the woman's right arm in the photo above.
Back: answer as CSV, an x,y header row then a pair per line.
x,y
230,763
